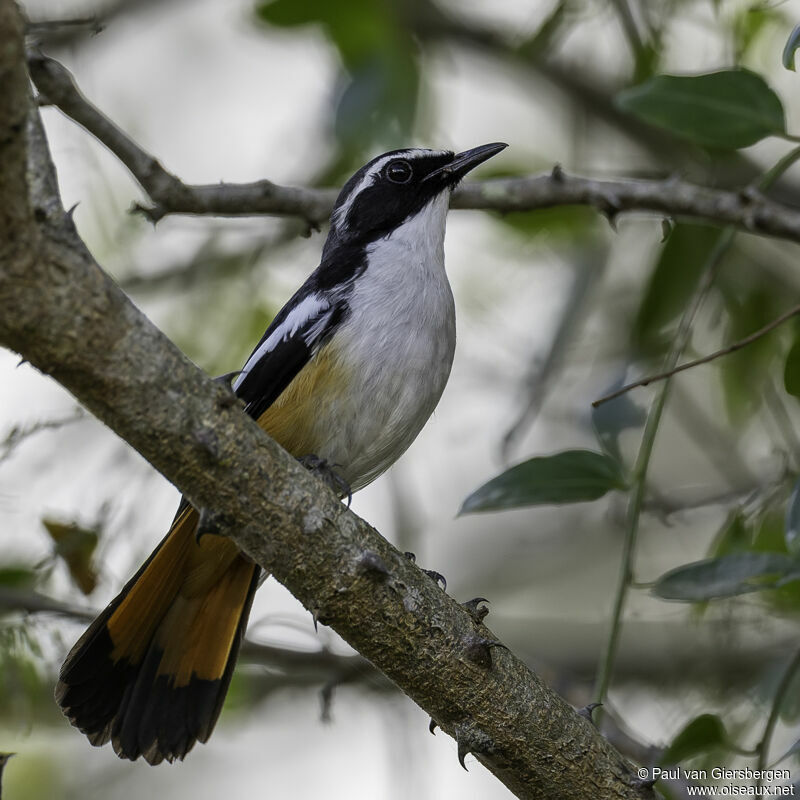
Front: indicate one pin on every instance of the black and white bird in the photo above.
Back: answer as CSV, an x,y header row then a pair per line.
x,y
346,375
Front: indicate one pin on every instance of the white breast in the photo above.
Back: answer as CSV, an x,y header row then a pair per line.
x,y
398,342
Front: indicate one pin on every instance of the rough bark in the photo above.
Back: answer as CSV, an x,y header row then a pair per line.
x,y
61,312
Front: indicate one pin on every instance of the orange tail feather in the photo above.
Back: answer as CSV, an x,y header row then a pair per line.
x,y
151,672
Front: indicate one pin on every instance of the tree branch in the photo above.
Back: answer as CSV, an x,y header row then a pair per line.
x,y
747,210
724,351
60,310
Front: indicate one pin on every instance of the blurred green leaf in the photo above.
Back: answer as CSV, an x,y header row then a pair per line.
x,y
734,536
380,56
743,373
727,576
790,48
17,577
573,476
702,734
671,284
791,368
749,25
727,110
76,546
571,222
547,35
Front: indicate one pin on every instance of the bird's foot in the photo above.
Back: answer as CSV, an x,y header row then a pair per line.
x,y
325,471
431,573
476,608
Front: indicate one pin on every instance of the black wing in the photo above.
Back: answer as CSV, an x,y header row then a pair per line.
x,y
296,333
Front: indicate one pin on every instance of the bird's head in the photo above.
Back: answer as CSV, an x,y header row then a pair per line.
x,y
396,186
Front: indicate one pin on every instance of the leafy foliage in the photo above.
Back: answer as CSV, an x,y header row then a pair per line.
x,y
702,734
727,109
573,476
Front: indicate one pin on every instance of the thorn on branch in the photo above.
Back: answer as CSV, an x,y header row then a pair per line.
x,y
667,226
476,610
153,214
432,726
478,649
750,194
557,174
610,209
227,397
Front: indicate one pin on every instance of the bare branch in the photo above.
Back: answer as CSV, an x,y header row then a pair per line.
x,y
167,192
748,210
62,312
17,435
731,348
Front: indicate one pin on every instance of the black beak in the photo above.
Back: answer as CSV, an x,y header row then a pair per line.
x,y
462,163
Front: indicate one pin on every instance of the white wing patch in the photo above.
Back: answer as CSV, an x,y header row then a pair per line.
x,y
296,319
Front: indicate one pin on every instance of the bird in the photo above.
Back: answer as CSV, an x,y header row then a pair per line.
x,y
344,378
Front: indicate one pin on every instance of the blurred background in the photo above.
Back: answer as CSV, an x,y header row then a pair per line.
x,y
555,308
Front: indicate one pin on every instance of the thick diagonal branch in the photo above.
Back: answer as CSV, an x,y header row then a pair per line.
x,y
62,313
748,209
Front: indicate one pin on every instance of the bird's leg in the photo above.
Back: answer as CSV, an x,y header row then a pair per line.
x,y
431,573
328,475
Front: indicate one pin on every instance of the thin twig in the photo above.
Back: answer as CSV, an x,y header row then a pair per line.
x,y
731,348
639,478
747,210
17,435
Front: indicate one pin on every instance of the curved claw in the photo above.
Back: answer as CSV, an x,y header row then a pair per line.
x,y
438,577
476,610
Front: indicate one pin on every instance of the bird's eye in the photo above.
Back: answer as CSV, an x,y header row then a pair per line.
x,y
398,171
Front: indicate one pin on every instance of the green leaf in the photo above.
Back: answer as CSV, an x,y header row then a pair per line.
x,y
743,372
671,284
728,110
790,48
379,100
727,576
791,369
17,577
751,23
702,734
734,536
573,476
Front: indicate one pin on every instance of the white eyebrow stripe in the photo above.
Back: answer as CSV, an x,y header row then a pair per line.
x,y
308,308
340,214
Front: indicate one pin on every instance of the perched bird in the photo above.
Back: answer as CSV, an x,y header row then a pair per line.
x,y
344,379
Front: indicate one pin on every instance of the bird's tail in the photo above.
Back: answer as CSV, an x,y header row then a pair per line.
x,y
150,674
